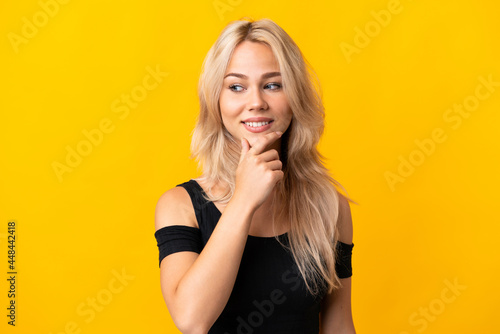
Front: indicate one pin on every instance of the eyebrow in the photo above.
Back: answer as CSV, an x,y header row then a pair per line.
x,y
264,76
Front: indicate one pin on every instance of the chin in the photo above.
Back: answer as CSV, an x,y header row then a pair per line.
x,y
252,141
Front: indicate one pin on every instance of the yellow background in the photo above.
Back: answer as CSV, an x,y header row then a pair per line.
x,y
440,225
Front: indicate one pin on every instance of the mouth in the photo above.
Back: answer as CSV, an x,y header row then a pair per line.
x,y
258,126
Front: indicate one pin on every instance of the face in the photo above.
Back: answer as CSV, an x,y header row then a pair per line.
x,y
252,100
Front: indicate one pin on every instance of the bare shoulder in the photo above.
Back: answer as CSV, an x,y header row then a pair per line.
x,y
174,207
344,222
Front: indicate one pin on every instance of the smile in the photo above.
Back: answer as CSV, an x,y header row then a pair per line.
x,y
257,126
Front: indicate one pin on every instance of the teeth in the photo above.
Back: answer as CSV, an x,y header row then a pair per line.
x,y
256,124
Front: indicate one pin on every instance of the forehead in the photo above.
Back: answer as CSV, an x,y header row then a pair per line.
x,y
252,55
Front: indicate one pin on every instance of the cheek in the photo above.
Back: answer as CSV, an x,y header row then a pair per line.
x,y
228,115
287,114
229,107
281,104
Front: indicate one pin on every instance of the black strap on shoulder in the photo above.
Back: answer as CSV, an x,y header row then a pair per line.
x,y
207,214
197,199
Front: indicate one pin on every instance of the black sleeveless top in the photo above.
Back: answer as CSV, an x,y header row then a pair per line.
x,y
269,294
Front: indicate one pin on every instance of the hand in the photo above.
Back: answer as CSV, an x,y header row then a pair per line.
x,y
258,170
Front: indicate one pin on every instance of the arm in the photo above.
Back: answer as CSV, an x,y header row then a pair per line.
x,y
336,314
196,287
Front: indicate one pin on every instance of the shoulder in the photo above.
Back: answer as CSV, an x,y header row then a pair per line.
x,y
344,222
174,207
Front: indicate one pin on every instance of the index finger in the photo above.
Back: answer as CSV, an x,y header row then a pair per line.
x,y
265,141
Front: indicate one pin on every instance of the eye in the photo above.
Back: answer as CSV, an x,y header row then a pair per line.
x,y
235,88
275,86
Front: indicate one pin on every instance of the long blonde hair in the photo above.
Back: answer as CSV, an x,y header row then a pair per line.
x,y
308,191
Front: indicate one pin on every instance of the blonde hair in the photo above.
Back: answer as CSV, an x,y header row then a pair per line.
x,y
312,200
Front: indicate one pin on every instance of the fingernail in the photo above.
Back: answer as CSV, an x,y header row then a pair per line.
x,y
279,133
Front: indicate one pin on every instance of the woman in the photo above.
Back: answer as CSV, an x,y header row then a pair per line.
x,y
262,241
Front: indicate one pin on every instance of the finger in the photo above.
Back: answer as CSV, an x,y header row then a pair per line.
x,y
245,146
269,155
275,165
265,141
278,175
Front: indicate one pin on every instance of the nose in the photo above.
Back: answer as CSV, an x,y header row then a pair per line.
x,y
256,100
